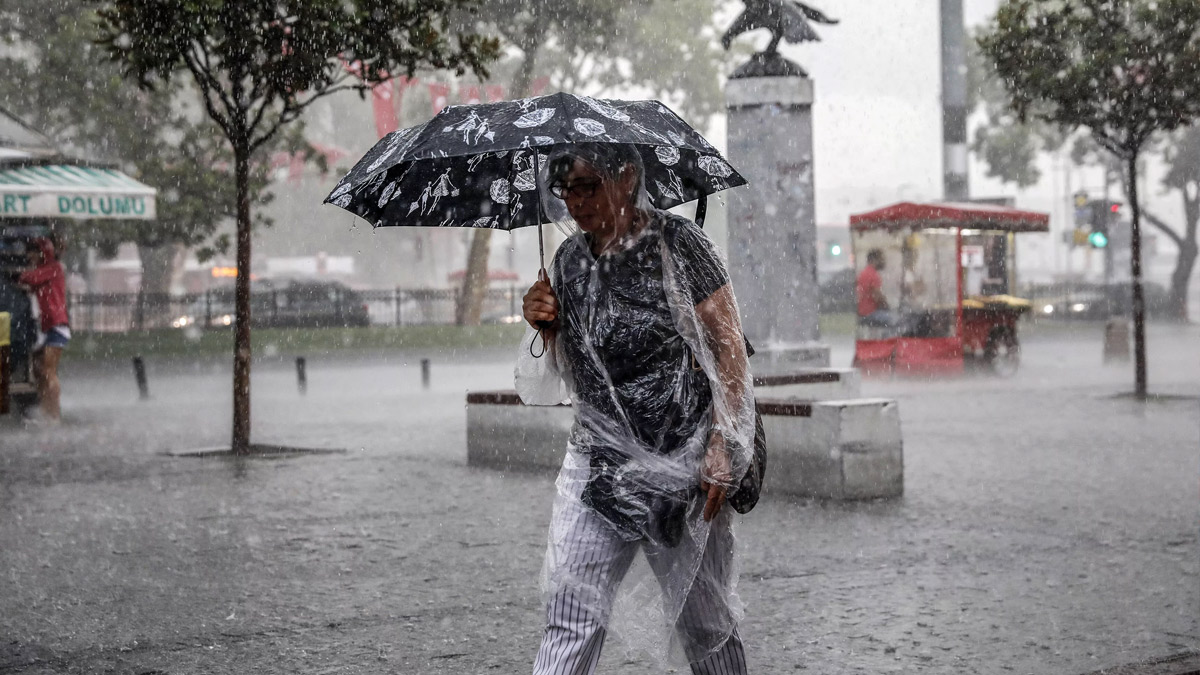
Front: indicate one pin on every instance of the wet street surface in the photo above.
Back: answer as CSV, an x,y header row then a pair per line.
x,y
1047,526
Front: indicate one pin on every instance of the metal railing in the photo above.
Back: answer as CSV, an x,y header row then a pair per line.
x,y
122,312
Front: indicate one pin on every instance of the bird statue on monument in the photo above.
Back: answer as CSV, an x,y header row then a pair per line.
x,y
787,20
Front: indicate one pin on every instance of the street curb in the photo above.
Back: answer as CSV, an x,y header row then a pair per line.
x,y
1186,663
257,451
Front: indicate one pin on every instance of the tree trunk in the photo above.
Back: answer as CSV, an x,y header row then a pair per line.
x,y
1139,302
241,340
475,281
158,265
1188,251
1180,277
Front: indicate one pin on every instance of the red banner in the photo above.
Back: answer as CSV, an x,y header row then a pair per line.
x,y
470,95
386,119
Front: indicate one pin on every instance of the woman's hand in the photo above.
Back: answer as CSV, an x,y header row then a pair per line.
x,y
540,303
715,474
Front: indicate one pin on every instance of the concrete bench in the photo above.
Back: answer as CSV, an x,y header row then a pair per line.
x,y
845,449
814,385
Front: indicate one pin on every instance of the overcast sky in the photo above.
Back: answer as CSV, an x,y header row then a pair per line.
x,y
877,116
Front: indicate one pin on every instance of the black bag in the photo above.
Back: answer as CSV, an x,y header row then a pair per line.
x,y
748,490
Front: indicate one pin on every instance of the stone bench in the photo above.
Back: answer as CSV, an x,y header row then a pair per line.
x,y
841,449
818,384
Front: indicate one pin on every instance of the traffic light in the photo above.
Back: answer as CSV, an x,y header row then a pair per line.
x,y
1103,217
1083,210
835,249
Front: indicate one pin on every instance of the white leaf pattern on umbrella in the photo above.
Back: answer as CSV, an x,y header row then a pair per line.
x,y
535,118
663,140
385,156
674,187
604,109
387,193
524,181
497,186
588,126
396,138
501,191
713,166
375,183
667,154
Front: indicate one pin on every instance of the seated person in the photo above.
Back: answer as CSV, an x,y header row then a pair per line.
x,y
873,309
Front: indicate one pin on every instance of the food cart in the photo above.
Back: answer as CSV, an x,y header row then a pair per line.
x,y
41,191
948,272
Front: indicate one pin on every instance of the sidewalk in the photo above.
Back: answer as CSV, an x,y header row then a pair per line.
x,y
1046,528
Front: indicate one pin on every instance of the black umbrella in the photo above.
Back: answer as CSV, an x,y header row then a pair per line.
x,y
478,165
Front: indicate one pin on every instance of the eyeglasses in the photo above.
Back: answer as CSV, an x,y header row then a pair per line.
x,y
584,189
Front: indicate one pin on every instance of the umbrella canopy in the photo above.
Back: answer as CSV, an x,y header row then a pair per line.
x,y
907,215
476,165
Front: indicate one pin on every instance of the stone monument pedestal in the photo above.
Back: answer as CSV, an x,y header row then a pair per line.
x,y
772,223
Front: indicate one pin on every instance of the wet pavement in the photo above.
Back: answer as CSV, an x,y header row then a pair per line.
x,y
1047,527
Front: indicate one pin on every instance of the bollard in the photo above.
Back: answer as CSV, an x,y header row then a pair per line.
x,y
1116,341
139,373
302,374
425,373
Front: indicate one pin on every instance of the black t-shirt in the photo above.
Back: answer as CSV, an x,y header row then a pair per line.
x,y
618,305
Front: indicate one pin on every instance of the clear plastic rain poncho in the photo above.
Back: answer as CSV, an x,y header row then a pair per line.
x,y
650,353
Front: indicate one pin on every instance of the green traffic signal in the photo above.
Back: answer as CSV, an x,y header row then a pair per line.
x,y
1098,239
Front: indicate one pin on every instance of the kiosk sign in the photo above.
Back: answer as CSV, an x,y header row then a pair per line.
x,y
77,207
73,193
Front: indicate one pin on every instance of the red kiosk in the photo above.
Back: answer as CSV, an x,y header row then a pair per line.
x,y
947,272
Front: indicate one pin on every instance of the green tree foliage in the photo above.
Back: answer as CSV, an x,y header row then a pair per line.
x,y
57,78
1183,158
1008,146
258,64
1124,69
1009,149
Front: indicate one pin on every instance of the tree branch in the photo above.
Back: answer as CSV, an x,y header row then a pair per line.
x,y
1163,227
208,88
291,112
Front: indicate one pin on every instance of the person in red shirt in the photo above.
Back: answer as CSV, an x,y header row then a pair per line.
x,y
49,285
873,309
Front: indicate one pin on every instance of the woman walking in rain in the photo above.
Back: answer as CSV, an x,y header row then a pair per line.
x,y
641,332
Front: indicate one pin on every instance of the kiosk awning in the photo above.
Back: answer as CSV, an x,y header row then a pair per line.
x,y
61,190
907,215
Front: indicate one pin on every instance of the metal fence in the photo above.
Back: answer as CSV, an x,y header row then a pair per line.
x,y
120,312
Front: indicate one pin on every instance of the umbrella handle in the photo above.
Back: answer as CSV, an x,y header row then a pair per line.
x,y
542,325
542,335
541,244
701,210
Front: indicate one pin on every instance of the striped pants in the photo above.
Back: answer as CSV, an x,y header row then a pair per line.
x,y
587,562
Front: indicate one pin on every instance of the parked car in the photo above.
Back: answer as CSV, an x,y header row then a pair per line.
x,y
837,292
299,304
317,304
216,308
1094,301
